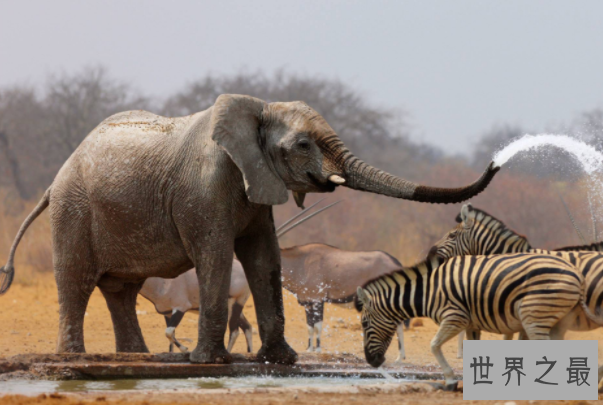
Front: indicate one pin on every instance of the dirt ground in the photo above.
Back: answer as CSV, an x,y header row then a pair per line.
x,y
29,324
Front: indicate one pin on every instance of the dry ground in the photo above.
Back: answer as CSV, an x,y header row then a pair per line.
x,y
29,324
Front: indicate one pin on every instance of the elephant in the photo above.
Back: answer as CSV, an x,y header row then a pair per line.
x,y
150,196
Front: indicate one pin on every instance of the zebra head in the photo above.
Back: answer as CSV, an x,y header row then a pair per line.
x,y
378,324
479,233
460,240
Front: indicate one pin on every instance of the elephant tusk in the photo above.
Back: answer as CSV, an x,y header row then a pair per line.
x,y
336,179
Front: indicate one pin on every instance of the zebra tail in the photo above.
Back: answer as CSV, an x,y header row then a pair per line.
x,y
596,318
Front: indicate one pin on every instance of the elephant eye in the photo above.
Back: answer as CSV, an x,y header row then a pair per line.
x,y
303,144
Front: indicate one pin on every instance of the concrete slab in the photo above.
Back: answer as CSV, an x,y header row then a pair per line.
x,y
176,365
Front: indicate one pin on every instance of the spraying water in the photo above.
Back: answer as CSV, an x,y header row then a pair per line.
x,y
587,156
590,159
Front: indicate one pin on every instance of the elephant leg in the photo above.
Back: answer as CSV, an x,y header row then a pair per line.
x,y
73,300
213,264
259,253
122,305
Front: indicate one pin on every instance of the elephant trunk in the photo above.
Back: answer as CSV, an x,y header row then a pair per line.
x,y
359,175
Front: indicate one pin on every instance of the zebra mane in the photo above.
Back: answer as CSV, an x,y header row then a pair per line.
x,y
594,247
432,255
480,215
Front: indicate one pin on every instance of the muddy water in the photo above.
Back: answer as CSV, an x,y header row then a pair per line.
x,y
35,387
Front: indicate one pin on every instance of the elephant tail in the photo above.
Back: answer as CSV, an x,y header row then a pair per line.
x,y
7,272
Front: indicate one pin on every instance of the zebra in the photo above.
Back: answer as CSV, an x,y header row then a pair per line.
x,y
479,233
527,292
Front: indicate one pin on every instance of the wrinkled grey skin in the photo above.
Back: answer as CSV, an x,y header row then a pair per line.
x,y
149,196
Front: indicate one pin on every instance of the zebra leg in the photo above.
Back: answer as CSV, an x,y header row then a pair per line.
x,y
233,324
459,347
473,334
406,324
470,334
319,310
170,331
401,351
247,331
449,328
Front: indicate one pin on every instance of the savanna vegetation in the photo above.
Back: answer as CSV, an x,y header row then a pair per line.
x,y
41,126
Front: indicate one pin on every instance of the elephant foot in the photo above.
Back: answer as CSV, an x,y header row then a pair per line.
x,y
206,355
130,348
318,350
310,349
71,349
65,346
278,353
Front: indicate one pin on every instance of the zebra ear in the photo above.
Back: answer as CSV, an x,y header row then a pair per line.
x,y
433,256
361,299
467,216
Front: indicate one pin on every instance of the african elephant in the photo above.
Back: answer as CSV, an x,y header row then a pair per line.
x,y
150,196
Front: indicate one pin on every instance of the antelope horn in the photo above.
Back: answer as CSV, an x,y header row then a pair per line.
x,y
293,218
281,233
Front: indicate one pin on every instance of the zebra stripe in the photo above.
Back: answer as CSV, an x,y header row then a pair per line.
x,y
480,233
496,293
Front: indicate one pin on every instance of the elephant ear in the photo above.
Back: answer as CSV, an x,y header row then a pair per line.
x,y
235,126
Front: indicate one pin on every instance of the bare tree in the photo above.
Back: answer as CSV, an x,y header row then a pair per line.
x,y
379,135
40,131
79,102
589,125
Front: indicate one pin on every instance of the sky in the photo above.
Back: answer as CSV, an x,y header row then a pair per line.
x,y
456,67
